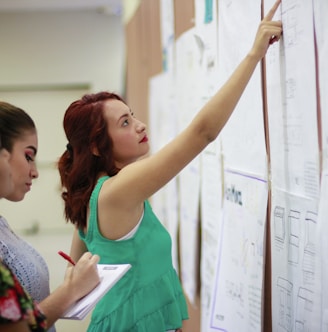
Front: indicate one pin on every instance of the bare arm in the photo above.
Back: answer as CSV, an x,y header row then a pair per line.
x,y
20,326
79,281
78,248
141,179
121,198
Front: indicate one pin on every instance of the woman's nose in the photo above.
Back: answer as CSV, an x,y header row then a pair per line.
x,y
140,126
34,173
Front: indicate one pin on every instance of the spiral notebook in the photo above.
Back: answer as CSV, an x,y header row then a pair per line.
x,y
109,276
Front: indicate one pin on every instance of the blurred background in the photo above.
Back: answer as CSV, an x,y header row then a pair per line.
x,y
53,52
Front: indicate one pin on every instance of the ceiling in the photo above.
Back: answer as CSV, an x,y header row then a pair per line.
x,y
113,7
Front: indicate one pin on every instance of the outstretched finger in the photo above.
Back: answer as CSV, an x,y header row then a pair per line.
x,y
270,14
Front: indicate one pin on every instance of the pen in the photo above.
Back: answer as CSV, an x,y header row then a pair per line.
x,y
65,256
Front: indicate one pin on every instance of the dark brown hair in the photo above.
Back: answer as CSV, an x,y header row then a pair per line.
x,y
14,124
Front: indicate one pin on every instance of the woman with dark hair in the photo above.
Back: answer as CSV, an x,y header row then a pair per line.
x,y
24,279
106,185
6,182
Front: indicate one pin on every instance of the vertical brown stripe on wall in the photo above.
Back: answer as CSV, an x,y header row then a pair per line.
x,y
317,82
267,309
184,16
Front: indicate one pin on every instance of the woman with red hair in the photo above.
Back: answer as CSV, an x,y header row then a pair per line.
x,y
107,181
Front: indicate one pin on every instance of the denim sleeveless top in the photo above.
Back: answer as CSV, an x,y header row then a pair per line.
x,y
149,297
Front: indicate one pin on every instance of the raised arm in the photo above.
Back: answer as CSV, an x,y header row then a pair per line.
x,y
143,178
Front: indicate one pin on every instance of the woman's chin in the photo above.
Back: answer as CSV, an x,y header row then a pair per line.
x,y
15,197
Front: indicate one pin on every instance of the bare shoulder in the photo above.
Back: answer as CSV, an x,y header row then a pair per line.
x,y
116,216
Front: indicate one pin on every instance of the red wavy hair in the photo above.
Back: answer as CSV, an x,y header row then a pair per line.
x,y
86,130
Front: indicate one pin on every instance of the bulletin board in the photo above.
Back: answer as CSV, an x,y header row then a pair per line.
x,y
293,109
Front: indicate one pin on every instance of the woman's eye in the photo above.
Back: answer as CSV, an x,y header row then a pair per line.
x,y
28,157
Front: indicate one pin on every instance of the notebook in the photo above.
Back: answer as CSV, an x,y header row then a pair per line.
x,y
109,275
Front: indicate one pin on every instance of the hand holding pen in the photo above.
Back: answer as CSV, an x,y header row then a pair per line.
x,y
82,276
65,256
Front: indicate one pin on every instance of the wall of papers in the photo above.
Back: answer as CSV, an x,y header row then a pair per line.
x,y
248,216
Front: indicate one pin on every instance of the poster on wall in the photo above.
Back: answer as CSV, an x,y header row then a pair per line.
x,y
211,197
188,80
292,102
321,289
162,119
243,137
294,222
238,287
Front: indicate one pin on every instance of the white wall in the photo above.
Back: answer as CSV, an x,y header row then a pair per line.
x,y
62,48
47,60
43,206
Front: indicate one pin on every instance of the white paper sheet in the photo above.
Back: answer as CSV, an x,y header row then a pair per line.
x,y
189,101
321,290
211,217
163,127
189,198
237,295
294,222
292,105
109,275
243,139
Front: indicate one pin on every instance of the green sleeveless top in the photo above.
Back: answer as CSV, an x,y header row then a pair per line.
x,y
149,297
